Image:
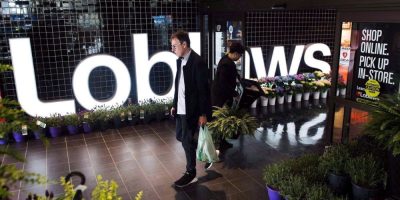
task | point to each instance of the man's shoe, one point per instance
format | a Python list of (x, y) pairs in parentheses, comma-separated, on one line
[(207, 166), (186, 179)]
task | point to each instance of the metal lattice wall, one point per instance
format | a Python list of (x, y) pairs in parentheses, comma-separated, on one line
[(63, 33)]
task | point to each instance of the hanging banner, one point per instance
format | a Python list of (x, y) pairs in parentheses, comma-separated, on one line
[(377, 60)]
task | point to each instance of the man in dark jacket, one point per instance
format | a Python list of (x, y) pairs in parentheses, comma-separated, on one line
[(191, 104), (223, 87)]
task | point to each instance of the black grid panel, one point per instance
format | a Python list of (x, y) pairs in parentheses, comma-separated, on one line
[(291, 27), (63, 33)]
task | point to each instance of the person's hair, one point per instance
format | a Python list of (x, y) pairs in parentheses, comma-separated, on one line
[(182, 36), (236, 47)]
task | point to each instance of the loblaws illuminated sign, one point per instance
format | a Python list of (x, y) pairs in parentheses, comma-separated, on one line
[(26, 84)]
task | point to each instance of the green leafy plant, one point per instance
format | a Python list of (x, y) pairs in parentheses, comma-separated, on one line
[(318, 192), (11, 116), (105, 190), (117, 111), (274, 174), (55, 120), (365, 171), (308, 167), (229, 122), (334, 159), (294, 187), (384, 124), (72, 119), (11, 175)]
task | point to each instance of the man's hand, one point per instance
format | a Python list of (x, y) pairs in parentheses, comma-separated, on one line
[(202, 120), (173, 112)]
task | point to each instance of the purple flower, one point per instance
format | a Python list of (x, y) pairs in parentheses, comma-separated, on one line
[(299, 77), (280, 91)]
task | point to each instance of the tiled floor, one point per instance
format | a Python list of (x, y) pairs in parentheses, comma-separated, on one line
[(148, 157)]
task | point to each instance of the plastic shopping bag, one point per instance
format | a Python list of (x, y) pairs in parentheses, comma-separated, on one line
[(205, 147)]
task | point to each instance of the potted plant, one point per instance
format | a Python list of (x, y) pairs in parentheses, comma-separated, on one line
[(72, 121), (133, 112), (333, 162), (17, 131), (280, 93), (37, 125), (384, 126), (101, 116), (325, 88), (147, 111), (294, 187), (117, 114), (55, 123), (162, 109), (230, 123), (104, 190), (11, 118), (273, 175), (367, 176), (298, 91), (318, 192), (88, 121), (308, 166)]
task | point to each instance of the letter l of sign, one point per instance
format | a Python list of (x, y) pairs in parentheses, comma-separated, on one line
[(25, 83)]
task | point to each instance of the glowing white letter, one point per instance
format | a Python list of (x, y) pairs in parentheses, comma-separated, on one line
[(80, 81), (143, 64), (314, 63), (25, 83), (258, 60)]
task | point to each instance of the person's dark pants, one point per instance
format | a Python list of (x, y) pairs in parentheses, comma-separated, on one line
[(185, 134)]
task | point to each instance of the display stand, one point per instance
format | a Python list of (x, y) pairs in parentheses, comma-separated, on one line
[(248, 91)]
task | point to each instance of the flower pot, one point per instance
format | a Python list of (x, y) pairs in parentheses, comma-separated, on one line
[(264, 101), (160, 116), (55, 131), (37, 134), (271, 101), (342, 91), (324, 94), (297, 97), (3, 141), (339, 184), (362, 193), (72, 129), (254, 104), (316, 94), (87, 128), (148, 118), (289, 98), (273, 194), (306, 96), (117, 122), (102, 125), (18, 137), (281, 99)]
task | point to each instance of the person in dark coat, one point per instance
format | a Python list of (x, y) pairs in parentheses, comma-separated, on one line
[(191, 104), (224, 84)]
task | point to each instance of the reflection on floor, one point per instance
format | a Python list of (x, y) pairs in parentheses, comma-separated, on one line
[(148, 158)]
